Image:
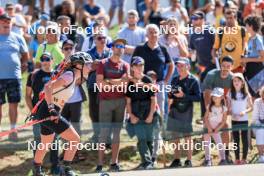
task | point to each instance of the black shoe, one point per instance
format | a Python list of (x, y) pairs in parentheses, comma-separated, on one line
[(222, 162), (67, 171), (37, 171), (115, 167), (154, 161), (229, 160), (55, 170), (188, 163), (175, 163), (207, 163), (99, 168)]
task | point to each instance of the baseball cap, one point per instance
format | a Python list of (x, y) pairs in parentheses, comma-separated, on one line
[(198, 14), (45, 17), (5, 17), (8, 5), (217, 92), (151, 73), (183, 61), (137, 60), (67, 42), (46, 57), (238, 75)]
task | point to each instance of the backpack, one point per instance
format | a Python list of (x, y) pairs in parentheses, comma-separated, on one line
[(243, 35)]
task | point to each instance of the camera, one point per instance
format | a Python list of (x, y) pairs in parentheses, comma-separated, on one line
[(176, 89)]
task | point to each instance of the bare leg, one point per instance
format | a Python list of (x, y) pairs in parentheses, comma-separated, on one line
[(42, 5), (188, 140), (120, 16), (40, 154), (111, 15), (13, 113), (177, 150), (72, 136), (115, 145)]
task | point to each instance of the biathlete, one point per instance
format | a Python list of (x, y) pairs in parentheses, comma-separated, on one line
[(57, 93)]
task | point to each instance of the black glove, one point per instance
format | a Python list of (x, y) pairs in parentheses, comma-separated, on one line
[(52, 110)]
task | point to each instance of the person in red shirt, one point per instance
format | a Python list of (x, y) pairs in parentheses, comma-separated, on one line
[(111, 77)]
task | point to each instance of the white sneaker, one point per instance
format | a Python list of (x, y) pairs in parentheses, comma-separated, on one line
[(261, 159)]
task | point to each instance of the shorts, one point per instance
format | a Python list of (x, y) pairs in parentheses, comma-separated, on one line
[(49, 127), (12, 88), (112, 112), (259, 136), (117, 3)]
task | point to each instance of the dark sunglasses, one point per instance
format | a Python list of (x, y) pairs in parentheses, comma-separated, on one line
[(229, 12), (67, 48), (120, 46), (101, 38), (51, 31), (45, 59)]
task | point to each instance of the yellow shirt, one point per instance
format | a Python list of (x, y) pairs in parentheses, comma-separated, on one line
[(232, 44)]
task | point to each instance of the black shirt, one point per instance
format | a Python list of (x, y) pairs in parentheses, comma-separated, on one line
[(190, 87), (37, 82), (140, 98), (155, 60)]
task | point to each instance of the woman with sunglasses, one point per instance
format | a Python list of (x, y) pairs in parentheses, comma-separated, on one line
[(57, 92)]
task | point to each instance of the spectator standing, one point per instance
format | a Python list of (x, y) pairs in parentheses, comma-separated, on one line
[(141, 106), (98, 53), (255, 53), (133, 34), (222, 79), (227, 43), (35, 84), (153, 13), (215, 119), (14, 56), (201, 43), (257, 119), (239, 105), (185, 90), (177, 11), (112, 72), (114, 5), (52, 45), (66, 8)]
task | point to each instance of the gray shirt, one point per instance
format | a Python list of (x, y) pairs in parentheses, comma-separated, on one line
[(133, 38)]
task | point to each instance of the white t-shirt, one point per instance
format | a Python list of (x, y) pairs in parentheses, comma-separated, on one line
[(167, 13), (237, 106), (216, 116), (172, 46)]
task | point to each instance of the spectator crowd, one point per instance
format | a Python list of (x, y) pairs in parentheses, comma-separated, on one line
[(207, 52)]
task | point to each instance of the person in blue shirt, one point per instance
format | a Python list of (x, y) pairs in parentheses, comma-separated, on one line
[(14, 57), (98, 52), (255, 56)]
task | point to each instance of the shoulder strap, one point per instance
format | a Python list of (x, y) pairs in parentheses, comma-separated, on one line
[(243, 35), (44, 47), (67, 85)]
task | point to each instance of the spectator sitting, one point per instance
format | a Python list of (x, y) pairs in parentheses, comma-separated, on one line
[(92, 10), (66, 8), (153, 13), (185, 90)]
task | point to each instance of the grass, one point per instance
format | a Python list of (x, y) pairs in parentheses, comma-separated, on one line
[(16, 160)]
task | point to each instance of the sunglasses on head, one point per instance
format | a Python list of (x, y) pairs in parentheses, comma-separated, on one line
[(120, 46), (101, 38), (45, 59), (194, 18), (67, 48)]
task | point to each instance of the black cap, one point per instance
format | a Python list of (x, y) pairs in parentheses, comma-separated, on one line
[(10, 5), (199, 14), (5, 17), (46, 55), (68, 42)]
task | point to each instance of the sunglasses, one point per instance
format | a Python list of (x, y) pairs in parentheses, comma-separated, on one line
[(101, 38), (9, 8), (51, 31), (120, 46), (67, 48), (194, 18), (45, 59), (229, 12)]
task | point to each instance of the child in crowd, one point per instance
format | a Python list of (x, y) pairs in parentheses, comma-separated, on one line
[(239, 105), (215, 119)]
